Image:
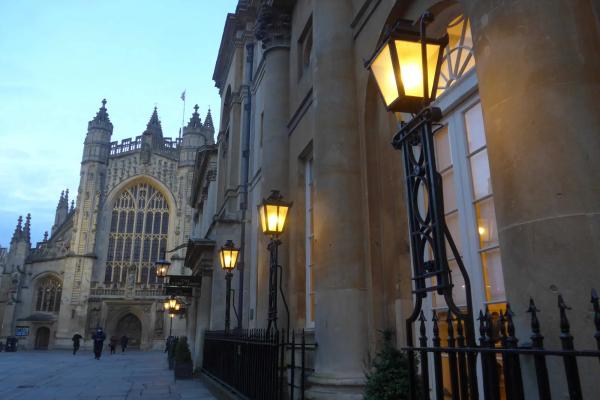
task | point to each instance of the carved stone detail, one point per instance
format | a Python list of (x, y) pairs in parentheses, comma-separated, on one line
[(273, 26)]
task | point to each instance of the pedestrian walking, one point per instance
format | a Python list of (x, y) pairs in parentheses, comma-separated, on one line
[(114, 341), (168, 343), (98, 338), (76, 341), (124, 340)]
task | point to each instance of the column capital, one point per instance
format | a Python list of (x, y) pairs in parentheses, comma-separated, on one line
[(273, 26)]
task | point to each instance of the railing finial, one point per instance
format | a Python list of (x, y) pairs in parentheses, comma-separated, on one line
[(564, 321)]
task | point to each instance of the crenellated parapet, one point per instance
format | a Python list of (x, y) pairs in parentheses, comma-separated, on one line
[(169, 147)]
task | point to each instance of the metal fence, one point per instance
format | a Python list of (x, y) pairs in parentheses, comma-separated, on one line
[(257, 363), (499, 355)]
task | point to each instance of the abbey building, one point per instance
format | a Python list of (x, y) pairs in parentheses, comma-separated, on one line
[(97, 266)]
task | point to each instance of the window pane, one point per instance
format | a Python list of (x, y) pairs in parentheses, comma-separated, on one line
[(449, 191), (458, 291), (486, 223), (475, 130), (442, 149), (480, 173), (493, 278), (452, 222)]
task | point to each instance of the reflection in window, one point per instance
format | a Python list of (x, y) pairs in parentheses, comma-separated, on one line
[(139, 228)]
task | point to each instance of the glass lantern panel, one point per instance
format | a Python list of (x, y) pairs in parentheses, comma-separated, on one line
[(383, 71), (411, 71), (272, 218), (283, 210), (263, 218), (222, 259)]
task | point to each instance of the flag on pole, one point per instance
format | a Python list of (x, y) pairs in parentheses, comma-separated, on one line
[(183, 96)]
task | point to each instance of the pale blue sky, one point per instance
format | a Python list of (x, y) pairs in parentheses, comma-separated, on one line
[(59, 58)]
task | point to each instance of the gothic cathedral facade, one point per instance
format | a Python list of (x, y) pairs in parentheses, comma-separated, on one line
[(97, 267)]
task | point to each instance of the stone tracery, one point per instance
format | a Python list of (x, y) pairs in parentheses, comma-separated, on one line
[(139, 229)]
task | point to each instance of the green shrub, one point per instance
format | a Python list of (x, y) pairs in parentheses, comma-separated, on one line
[(390, 374), (182, 351)]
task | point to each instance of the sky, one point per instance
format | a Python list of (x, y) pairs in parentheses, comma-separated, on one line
[(60, 58)]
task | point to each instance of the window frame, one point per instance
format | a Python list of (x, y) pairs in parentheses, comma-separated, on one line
[(309, 243)]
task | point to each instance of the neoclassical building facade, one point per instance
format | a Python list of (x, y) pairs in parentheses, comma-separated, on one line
[(97, 266), (302, 114)]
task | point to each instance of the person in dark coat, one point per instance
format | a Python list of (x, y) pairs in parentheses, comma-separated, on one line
[(124, 340), (114, 341), (76, 341), (168, 343), (98, 338)]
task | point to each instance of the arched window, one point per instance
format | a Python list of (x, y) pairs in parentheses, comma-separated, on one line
[(49, 291), (458, 55), (139, 223)]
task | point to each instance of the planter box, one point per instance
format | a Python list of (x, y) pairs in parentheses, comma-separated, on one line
[(184, 370)]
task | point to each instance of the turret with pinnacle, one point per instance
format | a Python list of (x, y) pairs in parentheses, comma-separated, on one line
[(62, 210), (195, 135), (97, 141)]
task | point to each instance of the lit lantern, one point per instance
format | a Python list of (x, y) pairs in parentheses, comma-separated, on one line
[(273, 212), (228, 256), (162, 266), (398, 69), (172, 302)]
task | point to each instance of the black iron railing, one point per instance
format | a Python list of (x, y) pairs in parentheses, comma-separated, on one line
[(257, 363), (500, 356)]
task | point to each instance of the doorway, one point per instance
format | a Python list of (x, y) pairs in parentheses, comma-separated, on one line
[(130, 326), (42, 338)]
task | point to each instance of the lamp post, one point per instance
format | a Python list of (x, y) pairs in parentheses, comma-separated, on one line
[(406, 67), (273, 213), (228, 256), (172, 306)]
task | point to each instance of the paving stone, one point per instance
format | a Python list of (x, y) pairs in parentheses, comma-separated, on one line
[(58, 375)]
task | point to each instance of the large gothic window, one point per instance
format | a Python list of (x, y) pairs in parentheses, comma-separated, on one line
[(138, 231), (49, 291)]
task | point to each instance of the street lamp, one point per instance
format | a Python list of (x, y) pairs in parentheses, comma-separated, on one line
[(273, 213), (162, 265), (228, 256), (172, 306), (404, 66)]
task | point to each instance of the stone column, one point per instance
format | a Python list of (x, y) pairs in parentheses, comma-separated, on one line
[(538, 66), (273, 31), (340, 315)]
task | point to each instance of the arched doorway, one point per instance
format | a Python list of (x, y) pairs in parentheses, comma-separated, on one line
[(42, 338), (131, 326)]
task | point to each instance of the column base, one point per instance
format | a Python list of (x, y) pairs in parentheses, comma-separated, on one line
[(339, 388)]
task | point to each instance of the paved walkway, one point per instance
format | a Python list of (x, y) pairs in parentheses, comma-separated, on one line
[(47, 375)]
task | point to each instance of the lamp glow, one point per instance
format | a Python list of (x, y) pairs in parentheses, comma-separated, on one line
[(273, 213), (228, 256), (398, 69), (162, 266)]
